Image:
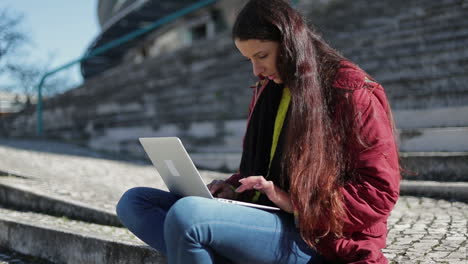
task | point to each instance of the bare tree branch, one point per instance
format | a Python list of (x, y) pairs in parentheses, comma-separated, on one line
[(23, 77), (11, 37)]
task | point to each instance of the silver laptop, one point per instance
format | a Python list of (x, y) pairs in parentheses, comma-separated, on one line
[(178, 172)]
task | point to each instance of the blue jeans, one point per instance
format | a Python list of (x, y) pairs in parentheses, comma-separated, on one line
[(200, 230)]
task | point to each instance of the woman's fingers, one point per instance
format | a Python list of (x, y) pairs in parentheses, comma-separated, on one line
[(219, 188), (215, 186), (226, 193), (266, 187), (275, 194), (254, 182)]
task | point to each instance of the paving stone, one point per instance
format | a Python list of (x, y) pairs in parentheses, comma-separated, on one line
[(440, 219)]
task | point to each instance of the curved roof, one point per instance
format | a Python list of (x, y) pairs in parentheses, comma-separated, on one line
[(133, 16)]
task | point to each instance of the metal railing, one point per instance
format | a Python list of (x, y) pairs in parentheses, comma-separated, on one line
[(113, 44)]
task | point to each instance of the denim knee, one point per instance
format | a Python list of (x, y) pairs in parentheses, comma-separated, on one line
[(126, 207), (186, 213)]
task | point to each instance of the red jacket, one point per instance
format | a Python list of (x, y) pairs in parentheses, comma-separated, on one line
[(368, 201)]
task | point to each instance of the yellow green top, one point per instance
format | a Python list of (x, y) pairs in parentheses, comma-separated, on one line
[(279, 121)]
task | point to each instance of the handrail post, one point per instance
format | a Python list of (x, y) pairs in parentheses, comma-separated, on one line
[(39, 106)]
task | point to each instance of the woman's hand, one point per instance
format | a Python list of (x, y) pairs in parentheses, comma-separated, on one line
[(220, 189), (275, 194)]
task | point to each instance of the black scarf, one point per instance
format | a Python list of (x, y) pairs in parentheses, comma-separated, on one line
[(258, 140)]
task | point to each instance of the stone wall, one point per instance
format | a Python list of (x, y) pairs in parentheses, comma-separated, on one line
[(416, 49)]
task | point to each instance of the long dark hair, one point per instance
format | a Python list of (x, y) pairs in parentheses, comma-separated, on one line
[(315, 157)]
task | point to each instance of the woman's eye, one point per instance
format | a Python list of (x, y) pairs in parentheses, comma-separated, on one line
[(258, 57)]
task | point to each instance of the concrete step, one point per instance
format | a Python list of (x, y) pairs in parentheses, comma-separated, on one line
[(397, 43), (8, 256), (443, 190), (14, 196), (435, 166), (222, 161), (446, 139), (428, 98), (62, 240), (432, 117)]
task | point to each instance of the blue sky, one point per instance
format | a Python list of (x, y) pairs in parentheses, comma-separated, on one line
[(61, 28)]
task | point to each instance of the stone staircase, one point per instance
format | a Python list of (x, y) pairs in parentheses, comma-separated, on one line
[(57, 205), (417, 51), (36, 225), (434, 147), (66, 215)]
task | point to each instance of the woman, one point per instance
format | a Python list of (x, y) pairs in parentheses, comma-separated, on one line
[(319, 144)]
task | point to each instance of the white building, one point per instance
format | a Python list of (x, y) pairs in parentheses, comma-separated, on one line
[(12, 102)]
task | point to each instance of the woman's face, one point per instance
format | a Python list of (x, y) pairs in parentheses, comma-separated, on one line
[(263, 55)]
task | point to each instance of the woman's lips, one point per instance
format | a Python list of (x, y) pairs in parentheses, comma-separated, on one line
[(269, 77)]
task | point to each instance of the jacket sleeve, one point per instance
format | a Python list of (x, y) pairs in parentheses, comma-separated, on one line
[(372, 195)]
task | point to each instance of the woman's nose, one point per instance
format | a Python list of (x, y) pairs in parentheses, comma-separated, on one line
[(257, 69)]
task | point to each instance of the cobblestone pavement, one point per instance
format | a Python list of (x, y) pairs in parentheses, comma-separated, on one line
[(424, 230), (421, 230)]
